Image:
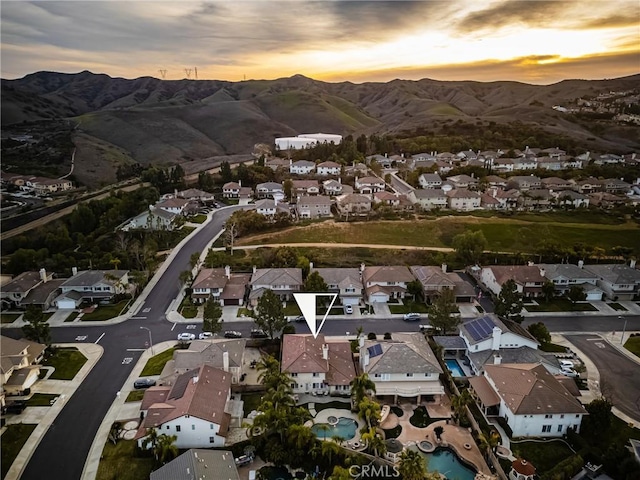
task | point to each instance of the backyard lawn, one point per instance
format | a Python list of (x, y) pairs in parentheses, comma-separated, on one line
[(120, 461), (66, 361), (156, 363), (251, 402), (544, 455), (12, 441), (105, 312), (42, 399), (560, 305), (633, 345)]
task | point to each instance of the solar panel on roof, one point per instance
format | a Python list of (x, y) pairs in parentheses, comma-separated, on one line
[(375, 350), (473, 331)]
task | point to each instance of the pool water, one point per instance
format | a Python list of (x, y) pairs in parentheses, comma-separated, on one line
[(446, 462), (345, 428), (455, 368)]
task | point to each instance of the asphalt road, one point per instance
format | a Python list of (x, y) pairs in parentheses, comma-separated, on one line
[(619, 379), (64, 448)]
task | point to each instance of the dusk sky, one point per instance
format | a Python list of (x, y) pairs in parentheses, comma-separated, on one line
[(534, 41)]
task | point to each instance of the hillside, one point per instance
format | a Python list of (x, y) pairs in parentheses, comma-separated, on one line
[(163, 122)]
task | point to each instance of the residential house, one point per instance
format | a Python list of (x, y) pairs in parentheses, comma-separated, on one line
[(92, 286), (587, 186), (508, 199), (430, 180), (554, 152), (269, 207), (305, 187), (528, 278), (332, 187), (15, 291), (566, 275), (221, 353), (383, 160), (467, 155), (269, 190), (396, 201), (318, 365), (569, 198), (383, 283), (177, 206), (618, 281), (506, 164), (463, 200), (19, 361), (463, 181), (430, 199), (231, 189), (195, 409), (284, 282), (444, 167), (606, 200), (221, 285), (525, 163), (524, 183), (614, 186), (195, 195), (276, 163), (318, 206), (302, 167), (198, 463), (556, 184), (356, 169), (45, 186), (423, 157), (404, 366), (152, 219), (496, 181), (328, 168), (436, 279), (490, 203), (550, 163), (353, 204), (346, 282), (540, 199), (43, 295), (369, 185), (531, 400)]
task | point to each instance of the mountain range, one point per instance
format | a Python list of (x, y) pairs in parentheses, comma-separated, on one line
[(148, 120)]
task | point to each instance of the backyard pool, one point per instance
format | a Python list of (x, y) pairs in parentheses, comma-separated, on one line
[(454, 367), (345, 429), (447, 463)]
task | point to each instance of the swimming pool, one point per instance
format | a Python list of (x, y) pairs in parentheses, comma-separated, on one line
[(345, 428), (446, 462), (454, 367)]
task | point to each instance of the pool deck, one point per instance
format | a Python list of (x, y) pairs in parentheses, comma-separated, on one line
[(323, 417)]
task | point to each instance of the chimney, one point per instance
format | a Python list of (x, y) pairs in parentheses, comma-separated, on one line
[(361, 341), (43, 275), (240, 183), (255, 269), (365, 359), (175, 193), (497, 359), (225, 361), (496, 339), (632, 263), (195, 379), (227, 271), (310, 267), (325, 351), (542, 272), (444, 268), (362, 266), (580, 263), (74, 271)]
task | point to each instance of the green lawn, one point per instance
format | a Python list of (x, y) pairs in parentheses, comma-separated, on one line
[(156, 363), (409, 308), (544, 455), (105, 312), (67, 362), (553, 348), (72, 317), (120, 462), (135, 396), (41, 399), (633, 345), (251, 402), (9, 317), (291, 309), (617, 306), (187, 309), (245, 311), (197, 218), (560, 305), (12, 441)]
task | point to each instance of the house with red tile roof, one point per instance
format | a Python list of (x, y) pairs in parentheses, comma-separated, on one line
[(383, 283), (529, 279)]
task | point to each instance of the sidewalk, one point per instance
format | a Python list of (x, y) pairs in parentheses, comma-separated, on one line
[(44, 417)]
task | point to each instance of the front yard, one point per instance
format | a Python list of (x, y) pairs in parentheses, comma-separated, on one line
[(9, 317), (12, 441), (42, 399), (123, 462), (67, 362), (560, 305), (135, 396), (633, 345), (409, 307), (105, 312), (156, 363)]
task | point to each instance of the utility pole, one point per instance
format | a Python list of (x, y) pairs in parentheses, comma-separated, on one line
[(150, 340)]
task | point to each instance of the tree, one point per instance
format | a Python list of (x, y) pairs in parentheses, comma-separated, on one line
[(442, 312), (509, 304), (375, 443), (469, 247), (360, 387), (600, 416), (369, 411), (315, 283), (329, 449), (287, 187), (460, 404), (211, 316), (439, 430), (225, 172), (37, 329), (540, 332), (576, 293), (269, 314), (548, 290), (185, 277), (411, 466), (165, 449), (414, 288)]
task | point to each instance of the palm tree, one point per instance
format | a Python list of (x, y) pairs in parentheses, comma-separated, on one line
[(374, 442), (166, 448), (340, 473), (337, 439), (329, 448), (412, 466), (460, 404), (369, 411), (151, 440), (300, 437), (360, 387), (324, 428)]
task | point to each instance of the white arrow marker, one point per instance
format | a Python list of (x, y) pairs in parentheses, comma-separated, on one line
[(307, 304)]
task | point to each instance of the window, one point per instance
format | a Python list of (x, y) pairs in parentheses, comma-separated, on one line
[(562, 416), (409, 374), (548, 416), (559, 428), (211, 426), (546, 428), (167, 427), (193, 427), (577, 416), (177, 428), (293, 375), (316, 374), (212, 439)]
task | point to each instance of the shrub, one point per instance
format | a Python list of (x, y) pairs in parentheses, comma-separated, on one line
[(387, 336), (371, 336)]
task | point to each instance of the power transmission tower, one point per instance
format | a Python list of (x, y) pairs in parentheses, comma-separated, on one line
[(188, 72), (163, 73), (195, 69)]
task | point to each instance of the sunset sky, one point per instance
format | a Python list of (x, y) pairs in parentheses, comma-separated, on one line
[(534, 41)]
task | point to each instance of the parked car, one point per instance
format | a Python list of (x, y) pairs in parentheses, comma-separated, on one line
[(243, 460), (566, 364), (348, 309), (232, 334), (258, 333), (428, 328), (205, 335), (144, 383), (186, 336), (411, 317), (299, 318), (569, 372)]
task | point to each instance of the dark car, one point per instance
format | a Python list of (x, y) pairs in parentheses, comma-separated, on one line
[(232, 334), (258, 333), (299, 319), (17, 406), (144, 383)]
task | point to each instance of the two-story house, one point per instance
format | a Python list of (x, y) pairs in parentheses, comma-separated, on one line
[(528, 278), (569, 198), (463, 181), (221, 285), (618, 281), (235, 190), (200, 464), (45, 186), (436, 279), (196, 195), (304, 187), (275, 163), (14, 292), (269, 207), (318, 206), (430, 180), (328, 168), (318, 365), (332, 188), (531, 400), (92, 286), (566, 275), (152, 219), (284, 282), (383, 283), (557, 184), (369, 185), (524, 182), (430, 199), (404, 366), (302, 167), (177, 206), (19, 361), (269, 190), (463, 200), (353, 204), (346, 282), (195, 408)]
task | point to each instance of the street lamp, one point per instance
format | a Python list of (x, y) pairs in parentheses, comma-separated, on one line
[(150, 341), (624, 328)]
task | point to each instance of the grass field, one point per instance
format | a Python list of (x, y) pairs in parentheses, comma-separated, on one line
[(67, 363), (544, 455), (156, 363), (135, 396), (120, 461), (12, 441), (633, 345), (105, 312), (41, 399), (560, 305)]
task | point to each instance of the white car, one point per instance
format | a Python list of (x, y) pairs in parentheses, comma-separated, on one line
[(569, 372), (348, 309), (186, 336), (205, 335)]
